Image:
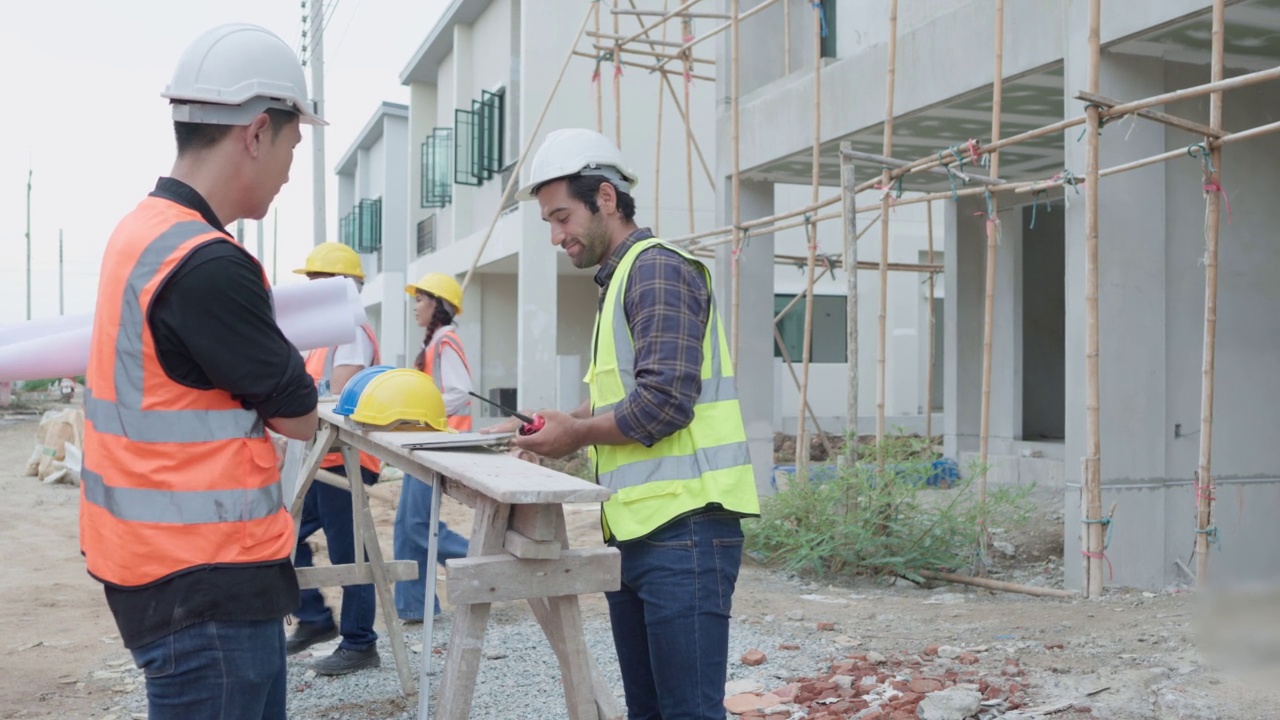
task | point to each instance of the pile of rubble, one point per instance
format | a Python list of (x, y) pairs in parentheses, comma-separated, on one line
[(940, 683)]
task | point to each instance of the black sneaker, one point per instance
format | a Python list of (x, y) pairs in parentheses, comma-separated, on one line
[(344, 661), (309, 634)]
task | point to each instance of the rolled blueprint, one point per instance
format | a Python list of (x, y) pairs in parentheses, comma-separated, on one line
[(318, 313)]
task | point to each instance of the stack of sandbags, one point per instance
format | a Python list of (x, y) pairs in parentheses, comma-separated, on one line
[(58, 430)]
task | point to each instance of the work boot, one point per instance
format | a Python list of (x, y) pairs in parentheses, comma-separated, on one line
[(309, 634), (344, 660)]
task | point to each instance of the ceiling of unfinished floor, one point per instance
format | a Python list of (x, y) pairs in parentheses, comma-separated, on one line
[(1033, 101)]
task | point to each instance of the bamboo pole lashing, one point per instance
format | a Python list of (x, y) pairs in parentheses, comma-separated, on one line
[(645, 30), (802, 446), (1213, 221)]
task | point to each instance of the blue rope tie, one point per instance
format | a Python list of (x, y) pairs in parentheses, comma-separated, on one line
[(822, 15), (1203, 155)]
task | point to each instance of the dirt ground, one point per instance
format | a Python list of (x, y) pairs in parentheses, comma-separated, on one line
[(60, 655)]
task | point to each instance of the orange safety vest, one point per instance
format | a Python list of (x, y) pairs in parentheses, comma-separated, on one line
[(173, 478), (320, 368), (431, 358)]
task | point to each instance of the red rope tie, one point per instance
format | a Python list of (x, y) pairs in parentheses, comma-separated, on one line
[(1212, 186), (1101, 556)]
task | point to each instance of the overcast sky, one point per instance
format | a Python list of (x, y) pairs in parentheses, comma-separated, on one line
[(82, 83)]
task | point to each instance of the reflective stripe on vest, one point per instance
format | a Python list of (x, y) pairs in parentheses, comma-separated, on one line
[(174, 477), (181, 508), (125, 417), (705, 463), (431, 358)]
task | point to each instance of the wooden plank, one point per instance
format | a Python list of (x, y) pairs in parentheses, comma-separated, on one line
[(496, 475), (527, 548), (497, 578), (340, 575), (536, 522), (1171, 120), (462, 662)]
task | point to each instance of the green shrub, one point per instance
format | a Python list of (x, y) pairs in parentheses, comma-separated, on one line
[(864, 521)]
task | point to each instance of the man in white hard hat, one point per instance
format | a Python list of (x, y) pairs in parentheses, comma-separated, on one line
[(181, 514), (682, 481)]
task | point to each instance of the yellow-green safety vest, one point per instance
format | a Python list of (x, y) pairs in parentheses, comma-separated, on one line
[(703, 464)]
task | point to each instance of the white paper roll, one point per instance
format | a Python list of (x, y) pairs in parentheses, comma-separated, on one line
[(319, 313)]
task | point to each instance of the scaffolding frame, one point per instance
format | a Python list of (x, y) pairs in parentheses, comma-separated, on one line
[(661, 52)]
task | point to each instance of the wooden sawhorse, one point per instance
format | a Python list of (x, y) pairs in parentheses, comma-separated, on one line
[(519, 551)]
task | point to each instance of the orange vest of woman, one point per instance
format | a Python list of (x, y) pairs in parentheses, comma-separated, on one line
[(174, 478), (431, 358), (320, 368)]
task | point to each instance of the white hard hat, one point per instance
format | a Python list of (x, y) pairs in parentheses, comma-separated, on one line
[(577, 150), (234, 72)]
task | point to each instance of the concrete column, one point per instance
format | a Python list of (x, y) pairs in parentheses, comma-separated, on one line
[(469, 327), (965, 272), (756, 371), (463, 195), (1132, 312)]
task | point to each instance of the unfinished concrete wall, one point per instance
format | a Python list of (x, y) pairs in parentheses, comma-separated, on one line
[(1043, 322)]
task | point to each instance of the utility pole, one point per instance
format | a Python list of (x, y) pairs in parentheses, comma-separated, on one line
[(28, 240), (316, 58), (61, 294)]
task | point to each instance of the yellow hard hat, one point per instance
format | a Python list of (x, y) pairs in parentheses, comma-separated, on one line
[(442, 286), (400, 396), (335, 259)]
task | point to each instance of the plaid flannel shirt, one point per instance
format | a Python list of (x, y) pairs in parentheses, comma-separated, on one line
[(667, 303)]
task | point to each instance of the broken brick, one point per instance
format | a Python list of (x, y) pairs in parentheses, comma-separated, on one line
[(789, 646), (1054, 646), (743, 703), (924, 685), (931, 651), (968, 658), (754, 657), (826, 626)]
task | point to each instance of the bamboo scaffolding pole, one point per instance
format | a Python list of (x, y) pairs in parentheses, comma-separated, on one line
[(1091, 483), (728, 237), (528, 144), (838, 263), (804, 400), (599, 84), (641, 66), (760, 222), (735, 210), (655, 54), (645, 30), (786, 38), (617, 82), (802, 445), (1235, 83), (666, 79), (702, 160), (886, 199), (989, 305), (1164, 118), (998, 585), (657, 155), (1213, 223), (659, 13), (620, 42), (896, 163), (849, 214), (928, 387), (737, 17), (686, 27)]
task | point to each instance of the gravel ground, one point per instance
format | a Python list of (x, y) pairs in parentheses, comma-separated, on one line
[(519, 677)]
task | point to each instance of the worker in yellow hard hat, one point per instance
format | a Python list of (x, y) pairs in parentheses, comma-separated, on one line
[(328, 508), (437, 299)]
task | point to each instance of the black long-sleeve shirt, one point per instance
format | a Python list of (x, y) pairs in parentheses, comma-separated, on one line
[(214, 327)]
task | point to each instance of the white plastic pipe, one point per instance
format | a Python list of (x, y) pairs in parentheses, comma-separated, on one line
[(319, 313)]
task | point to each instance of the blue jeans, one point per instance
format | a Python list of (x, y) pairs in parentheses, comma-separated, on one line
[(413, 519), (216, 670), (329, 508), (670, 617)]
